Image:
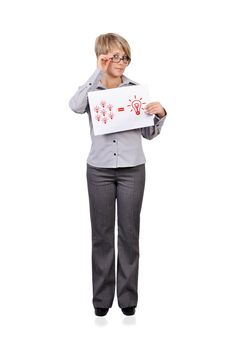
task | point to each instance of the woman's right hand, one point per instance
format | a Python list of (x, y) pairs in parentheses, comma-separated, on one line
[(103, 62)]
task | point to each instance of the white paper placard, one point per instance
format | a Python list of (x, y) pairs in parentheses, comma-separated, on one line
[(119, 109)]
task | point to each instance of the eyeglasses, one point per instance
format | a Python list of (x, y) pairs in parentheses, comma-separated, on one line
[(117, 59)]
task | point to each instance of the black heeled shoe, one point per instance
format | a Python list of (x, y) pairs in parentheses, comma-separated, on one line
[(101, 311), (128, 311)]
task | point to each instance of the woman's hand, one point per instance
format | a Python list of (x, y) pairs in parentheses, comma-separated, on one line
[(103, 62), (155, 108)]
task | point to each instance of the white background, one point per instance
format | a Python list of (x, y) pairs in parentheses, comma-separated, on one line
[(182, 50)]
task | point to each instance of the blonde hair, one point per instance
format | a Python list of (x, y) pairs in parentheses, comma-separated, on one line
[(105, 42)]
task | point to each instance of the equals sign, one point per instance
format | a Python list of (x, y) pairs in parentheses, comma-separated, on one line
[(121, 109)]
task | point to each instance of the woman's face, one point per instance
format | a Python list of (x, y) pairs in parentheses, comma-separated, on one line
[(116, 69)]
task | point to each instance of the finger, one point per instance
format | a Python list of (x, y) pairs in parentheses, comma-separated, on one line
[(103, 56), (153, 111), (152, 105), (108, 61), (150, 111), (104, 59)]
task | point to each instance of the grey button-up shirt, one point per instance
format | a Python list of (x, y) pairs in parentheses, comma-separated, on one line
[(119, 149)]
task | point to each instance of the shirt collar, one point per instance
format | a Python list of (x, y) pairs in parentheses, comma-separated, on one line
[(125, 81)]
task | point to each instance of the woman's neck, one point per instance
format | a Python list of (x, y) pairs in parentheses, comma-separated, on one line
[(111, 82)]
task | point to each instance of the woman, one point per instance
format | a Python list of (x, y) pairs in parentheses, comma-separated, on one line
[(115, 170)]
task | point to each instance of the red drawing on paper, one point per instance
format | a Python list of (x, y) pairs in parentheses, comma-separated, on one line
[(103, 104), (104, 112), (136, 105), (121, 109)]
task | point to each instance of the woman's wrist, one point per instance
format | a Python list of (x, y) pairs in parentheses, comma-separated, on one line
[(161, 115)]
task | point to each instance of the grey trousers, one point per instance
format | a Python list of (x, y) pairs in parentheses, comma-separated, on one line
[(106, 187)]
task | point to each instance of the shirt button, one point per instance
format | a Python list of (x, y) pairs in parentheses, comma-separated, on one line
[(114, 140), (114, 154)]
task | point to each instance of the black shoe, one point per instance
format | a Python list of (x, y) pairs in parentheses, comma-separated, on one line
[(128, 311), (101, 311)]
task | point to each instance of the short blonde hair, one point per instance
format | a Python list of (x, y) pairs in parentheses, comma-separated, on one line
[(105, 42)]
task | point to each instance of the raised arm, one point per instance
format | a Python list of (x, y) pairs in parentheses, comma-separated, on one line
[(78, 103)]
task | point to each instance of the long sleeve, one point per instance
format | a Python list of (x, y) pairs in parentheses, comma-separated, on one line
[(78, 103), (152, 131)]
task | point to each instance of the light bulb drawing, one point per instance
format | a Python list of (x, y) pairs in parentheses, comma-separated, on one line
[(103, 104), (137, 105), (110, 107), (104, 112)]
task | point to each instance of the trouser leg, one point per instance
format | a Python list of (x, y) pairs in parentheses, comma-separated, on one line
[(130, 189), (102, 195)]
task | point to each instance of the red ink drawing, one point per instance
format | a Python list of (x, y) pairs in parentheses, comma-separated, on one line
[(104, 112), (136, 105), (103, 104), (121, 109)]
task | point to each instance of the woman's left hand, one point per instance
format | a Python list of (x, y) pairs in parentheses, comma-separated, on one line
[(155, 108)]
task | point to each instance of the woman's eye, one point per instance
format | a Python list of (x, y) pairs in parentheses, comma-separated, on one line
[(116, 56)]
